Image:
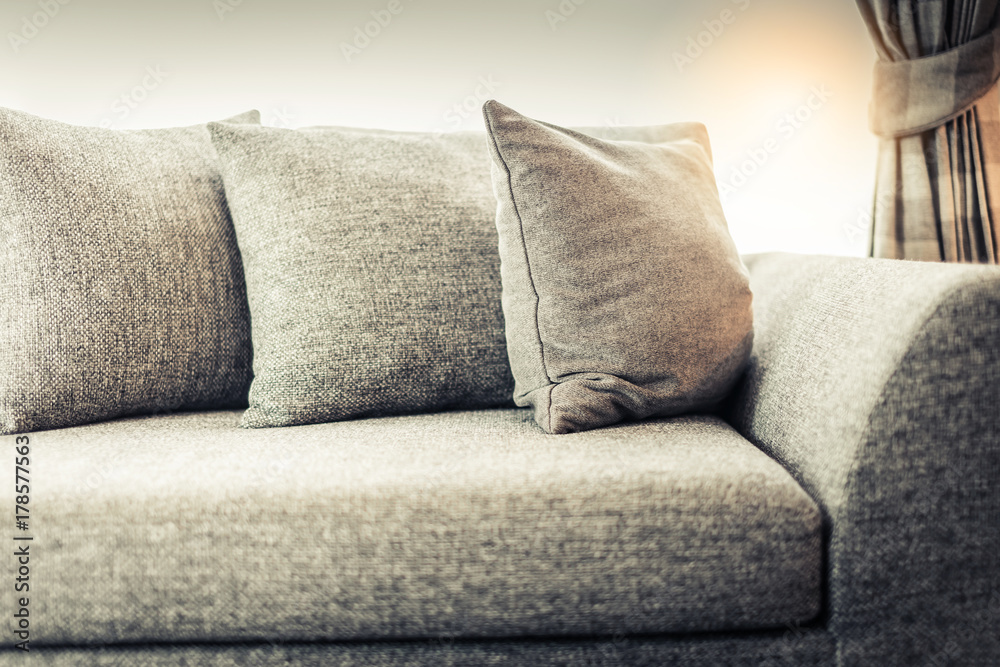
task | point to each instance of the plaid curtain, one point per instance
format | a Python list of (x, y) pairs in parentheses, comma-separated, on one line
[(936, 110)]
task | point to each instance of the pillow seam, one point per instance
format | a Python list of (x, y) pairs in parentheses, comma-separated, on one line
[(527, 260)]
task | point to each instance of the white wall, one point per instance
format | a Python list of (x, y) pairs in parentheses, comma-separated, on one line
[(792, 183)]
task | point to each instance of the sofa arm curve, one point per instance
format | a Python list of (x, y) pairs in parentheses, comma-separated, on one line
[(877, 384)]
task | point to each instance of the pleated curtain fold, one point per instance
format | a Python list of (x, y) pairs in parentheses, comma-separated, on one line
[(936, 109)]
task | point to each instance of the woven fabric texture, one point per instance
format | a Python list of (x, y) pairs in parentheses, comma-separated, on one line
[(182, 528), (372, 268), (623, 292), (793, 647), (372, 272), (121, 288), (936, 109), (877, 384)]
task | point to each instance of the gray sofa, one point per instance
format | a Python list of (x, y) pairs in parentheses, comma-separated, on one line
[(842, 508)]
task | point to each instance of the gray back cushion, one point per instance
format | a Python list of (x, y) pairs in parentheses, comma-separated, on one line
[(372, 271), (623, 292), (121, 288)]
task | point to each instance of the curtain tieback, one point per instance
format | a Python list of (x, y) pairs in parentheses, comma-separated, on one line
[(911, 96)]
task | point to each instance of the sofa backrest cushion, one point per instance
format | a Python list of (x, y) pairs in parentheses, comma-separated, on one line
[(623, 292), (373, 271), (121, 289)]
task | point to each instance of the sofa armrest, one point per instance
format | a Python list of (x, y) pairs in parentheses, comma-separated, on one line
[(877, 384)]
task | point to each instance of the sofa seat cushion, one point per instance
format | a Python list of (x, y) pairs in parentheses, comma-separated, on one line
[(185, 527)]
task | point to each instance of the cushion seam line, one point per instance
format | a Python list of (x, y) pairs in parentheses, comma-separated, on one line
[(524, 247)]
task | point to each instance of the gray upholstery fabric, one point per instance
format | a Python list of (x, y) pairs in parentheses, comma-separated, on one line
[(623, 293), (121, 289), (180, 528), (877, 383), (793, 647), (372, 271)]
